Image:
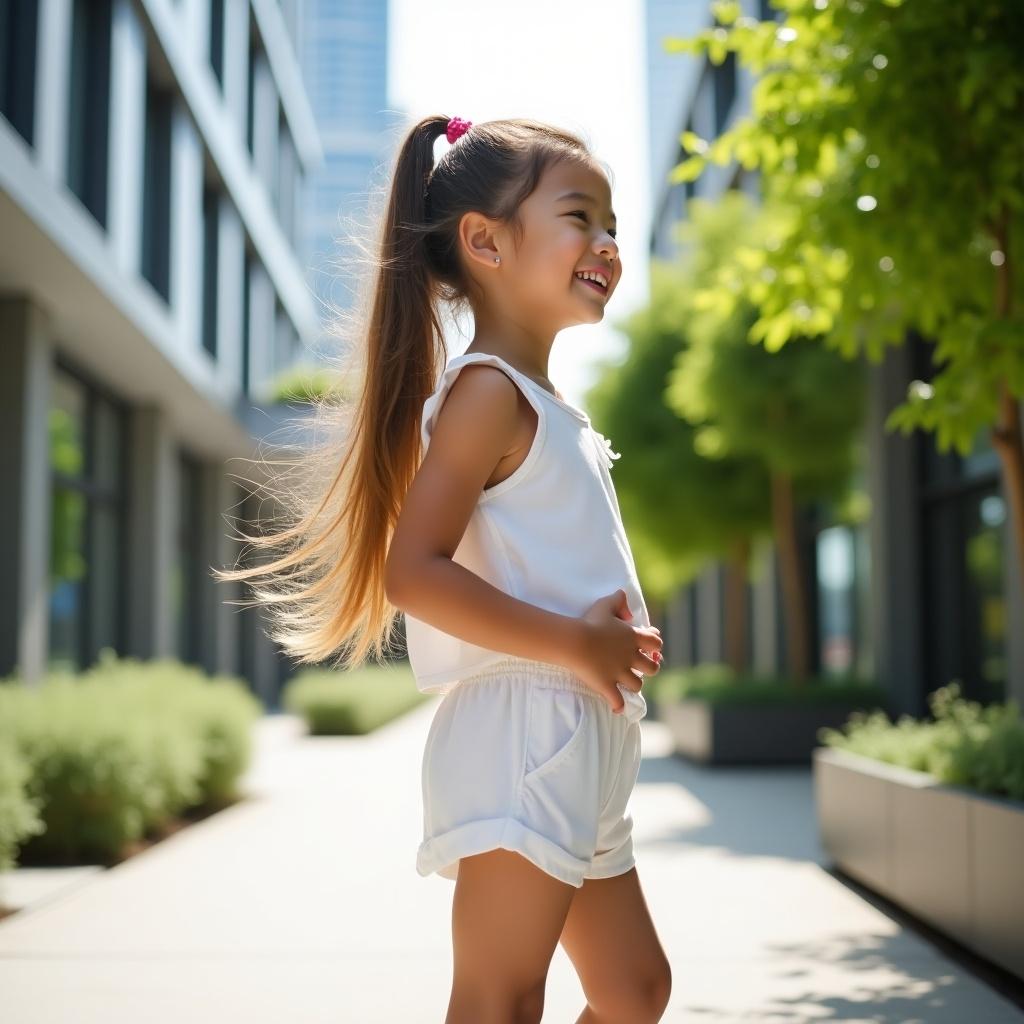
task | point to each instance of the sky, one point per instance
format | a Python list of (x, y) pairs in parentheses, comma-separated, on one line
[(581, 66)]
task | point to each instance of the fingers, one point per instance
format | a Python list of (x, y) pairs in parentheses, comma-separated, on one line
[(649, 637), (620, 602), (649, 652), (647, 664), (615, 699), (633, 682)]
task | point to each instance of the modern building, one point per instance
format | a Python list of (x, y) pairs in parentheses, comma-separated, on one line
[(924, 592), (152, 154), (345, 65)]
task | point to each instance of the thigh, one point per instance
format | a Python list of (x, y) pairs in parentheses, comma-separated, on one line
[(611, 940), (507, 915)]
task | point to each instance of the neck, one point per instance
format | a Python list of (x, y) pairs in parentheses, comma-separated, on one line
[(520, 345)]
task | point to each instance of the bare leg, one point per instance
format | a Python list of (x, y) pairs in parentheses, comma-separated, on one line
[(611, 941), (507, 915)]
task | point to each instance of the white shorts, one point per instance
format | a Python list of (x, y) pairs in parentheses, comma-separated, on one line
[(524, 756)]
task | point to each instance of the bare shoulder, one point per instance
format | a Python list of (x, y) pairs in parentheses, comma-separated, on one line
[(485, 379), (481, 398)]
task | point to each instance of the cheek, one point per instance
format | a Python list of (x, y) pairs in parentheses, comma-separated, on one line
[(553, 259)]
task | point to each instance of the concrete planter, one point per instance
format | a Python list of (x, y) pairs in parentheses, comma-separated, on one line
[(949, 855), (747, 733)]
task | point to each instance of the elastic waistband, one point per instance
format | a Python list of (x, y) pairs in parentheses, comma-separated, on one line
[(543, 672)]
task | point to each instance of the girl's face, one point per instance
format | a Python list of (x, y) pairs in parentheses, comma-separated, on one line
[(568, 227)]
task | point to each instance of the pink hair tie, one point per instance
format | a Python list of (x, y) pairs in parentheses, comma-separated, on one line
[(457, 128)]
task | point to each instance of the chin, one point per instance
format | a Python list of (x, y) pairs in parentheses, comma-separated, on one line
[(595, 311)]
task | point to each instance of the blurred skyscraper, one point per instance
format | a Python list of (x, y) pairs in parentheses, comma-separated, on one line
[(345, 66)]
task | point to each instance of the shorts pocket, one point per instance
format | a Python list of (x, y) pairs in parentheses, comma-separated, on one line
[(554, 728)]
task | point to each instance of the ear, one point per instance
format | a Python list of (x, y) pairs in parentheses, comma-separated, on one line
[(481, 239)]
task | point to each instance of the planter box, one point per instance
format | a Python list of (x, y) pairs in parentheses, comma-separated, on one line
[(949, 855), (747, 733)]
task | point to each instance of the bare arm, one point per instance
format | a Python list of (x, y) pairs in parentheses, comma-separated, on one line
[(476, 427)]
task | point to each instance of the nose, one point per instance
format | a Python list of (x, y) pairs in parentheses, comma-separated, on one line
[(609, 247)]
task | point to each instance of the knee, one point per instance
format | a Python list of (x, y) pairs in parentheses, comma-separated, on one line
[(658, 988), (528, 1005), (641, 999), (517, 1005)]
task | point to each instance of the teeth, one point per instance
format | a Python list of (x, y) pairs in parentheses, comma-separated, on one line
[(599, 278)]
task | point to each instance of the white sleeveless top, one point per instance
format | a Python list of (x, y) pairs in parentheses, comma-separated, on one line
[(551, 533)]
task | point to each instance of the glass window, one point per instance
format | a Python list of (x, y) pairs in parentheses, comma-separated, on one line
[(88, 106), (965, 605), (217, 39), (184, 581), (246, 324), (156, 198), (842, 567), (67, 426), (18, 26), (287, 177), (724, 78), (250, 96), (211, 210), (104, 584), (87, 536), (964, 527)]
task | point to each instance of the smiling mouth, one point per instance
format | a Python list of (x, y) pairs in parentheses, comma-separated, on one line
[(592, 285)]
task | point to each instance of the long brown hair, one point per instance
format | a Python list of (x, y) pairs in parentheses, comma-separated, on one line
[(324, 591)]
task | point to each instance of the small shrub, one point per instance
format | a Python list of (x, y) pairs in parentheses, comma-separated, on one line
[(217, 712), (966, 743), (19, 813), (339, 703)]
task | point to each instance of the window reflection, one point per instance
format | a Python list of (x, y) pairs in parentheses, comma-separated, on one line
[(184, 577), (965, 558), (86, 438), (843, 561), (67, 520), (984, 557)]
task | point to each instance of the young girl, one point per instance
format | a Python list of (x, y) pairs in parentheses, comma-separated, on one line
[(480, 503)]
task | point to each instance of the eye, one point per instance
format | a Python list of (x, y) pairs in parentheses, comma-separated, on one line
[(583, 213)]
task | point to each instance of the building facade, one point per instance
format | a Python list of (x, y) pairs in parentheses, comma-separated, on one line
[(925, 591), (152, 154)]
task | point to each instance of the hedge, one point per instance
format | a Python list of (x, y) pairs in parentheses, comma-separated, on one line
[(719, 684), (109, 755)]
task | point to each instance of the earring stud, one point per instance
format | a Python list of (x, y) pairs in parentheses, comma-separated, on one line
[(497, 259)]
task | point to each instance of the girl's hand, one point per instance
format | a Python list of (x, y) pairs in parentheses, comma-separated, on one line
[(611, 648)]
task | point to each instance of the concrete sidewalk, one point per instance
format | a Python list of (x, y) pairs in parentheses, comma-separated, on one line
[(302, 904)]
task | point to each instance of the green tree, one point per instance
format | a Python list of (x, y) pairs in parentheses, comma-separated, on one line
[(797, 412), (729, 438), (888, 138)]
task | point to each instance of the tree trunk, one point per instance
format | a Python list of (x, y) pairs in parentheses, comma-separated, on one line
[(1006, 434), (794, 590), (737, 607)]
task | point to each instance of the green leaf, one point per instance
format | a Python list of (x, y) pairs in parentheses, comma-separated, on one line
[(688, 170), (693, 143)]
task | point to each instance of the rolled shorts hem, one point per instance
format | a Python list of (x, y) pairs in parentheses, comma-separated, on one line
[(613, 862), (442, 852)]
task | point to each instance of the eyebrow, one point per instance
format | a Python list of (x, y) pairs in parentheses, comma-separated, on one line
[(586, 197)]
